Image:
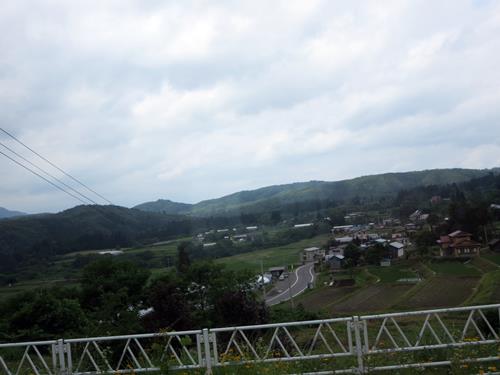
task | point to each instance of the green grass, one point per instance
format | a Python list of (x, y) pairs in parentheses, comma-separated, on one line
[(488, 290), (495, 258), (392, 274), (452, 268), (271, 257)]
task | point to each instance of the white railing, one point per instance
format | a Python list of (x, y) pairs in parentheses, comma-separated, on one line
[(357, 344)]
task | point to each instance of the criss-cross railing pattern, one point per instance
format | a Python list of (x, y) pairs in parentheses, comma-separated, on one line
[(431, 329), (29, 358), (285, 341), (343, 345), (139, 353)]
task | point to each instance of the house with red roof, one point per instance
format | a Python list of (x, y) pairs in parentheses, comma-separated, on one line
[(458, 244)]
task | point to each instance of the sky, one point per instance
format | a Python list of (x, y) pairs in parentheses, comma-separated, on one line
[(190, 100)]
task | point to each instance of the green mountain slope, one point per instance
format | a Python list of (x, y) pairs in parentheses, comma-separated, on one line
[(164, 206), (273, 197)]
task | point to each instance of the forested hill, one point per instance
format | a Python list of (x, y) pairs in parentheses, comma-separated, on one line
[(164, 206), (37, 237), (275, 197), (5, 213)]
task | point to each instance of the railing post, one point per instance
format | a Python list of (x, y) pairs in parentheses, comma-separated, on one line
[(208, 354), (62, 360), (359, 343)]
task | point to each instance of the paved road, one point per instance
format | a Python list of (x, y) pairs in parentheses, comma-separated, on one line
[(296, 283)]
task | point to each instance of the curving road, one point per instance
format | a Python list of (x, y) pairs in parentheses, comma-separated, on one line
[(296, 283)]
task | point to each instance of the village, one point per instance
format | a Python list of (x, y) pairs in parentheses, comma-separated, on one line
[(388, 243)]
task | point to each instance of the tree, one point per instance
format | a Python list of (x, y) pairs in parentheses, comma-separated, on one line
[(375, 254), (112, 292), (240, 307), (167, 297), (183, 261), (352, 255), (106, 276), (41, 314)]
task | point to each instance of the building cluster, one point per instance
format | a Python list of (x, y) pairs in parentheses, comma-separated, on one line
[(210, 238)]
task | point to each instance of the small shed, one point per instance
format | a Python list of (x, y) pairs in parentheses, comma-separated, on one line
[(276, 272), (397, 249), (335, 261)]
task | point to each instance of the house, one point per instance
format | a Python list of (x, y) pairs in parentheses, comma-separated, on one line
[(342, 228), (240, 237), (458, 244), (337, 250), (335, 262), (397, 249), (312, 254), (436, 199), (418, 217), (276, 272), (494, 245), (344, 240)]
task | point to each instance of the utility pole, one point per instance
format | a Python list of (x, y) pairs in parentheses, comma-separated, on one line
[(290, 290), (262, 279)]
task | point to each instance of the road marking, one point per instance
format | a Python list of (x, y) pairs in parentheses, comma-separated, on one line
[(312, 279), (295, 283)]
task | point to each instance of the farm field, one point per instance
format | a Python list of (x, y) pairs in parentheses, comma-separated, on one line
[(374, 298), (392, 274), (488, 290), (321, 299), (495, 258), (441, 291), (452, 268), (271, 257)]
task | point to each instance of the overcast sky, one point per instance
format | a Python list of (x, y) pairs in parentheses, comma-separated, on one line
[(189, 100)]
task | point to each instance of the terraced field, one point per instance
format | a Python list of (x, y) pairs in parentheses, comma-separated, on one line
[(374, 298), (441, 291)]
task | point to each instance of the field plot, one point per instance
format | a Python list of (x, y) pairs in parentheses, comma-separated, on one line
[(488, 290), (485, 265), (392, 274), (322, 299), (495, 258), (273, 256), (371, 299), (452, 268), (441, 291)]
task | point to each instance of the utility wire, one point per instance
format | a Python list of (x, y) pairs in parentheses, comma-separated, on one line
[(48, 174), (43, 178), (55, 166)]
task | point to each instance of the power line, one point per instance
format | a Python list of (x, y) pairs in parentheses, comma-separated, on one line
[(43, 178), (48, 174), (55, 166)]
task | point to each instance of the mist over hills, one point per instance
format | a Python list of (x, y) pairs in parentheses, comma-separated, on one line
[(5, 213), (273, 197)]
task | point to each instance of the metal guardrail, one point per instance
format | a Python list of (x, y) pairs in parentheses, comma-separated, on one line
[(354, 342)]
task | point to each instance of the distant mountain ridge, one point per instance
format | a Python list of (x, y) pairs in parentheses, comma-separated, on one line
[(277, 195), (5, 213), (164, 206)]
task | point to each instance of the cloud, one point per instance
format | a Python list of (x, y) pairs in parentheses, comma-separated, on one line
[(192, 100)]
